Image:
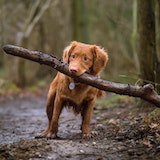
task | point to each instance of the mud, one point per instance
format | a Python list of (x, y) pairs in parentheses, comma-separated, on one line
[(119, 133)]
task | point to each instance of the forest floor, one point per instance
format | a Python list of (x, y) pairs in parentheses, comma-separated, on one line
[(120, 132)]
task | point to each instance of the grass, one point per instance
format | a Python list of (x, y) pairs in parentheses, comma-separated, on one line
[(35, 87), (113, 101), (7, 87)]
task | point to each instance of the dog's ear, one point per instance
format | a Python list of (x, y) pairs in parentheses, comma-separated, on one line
[(68, 50), (100, 59)]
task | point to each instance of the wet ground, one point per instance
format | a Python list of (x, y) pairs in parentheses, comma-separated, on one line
[(120, 133)]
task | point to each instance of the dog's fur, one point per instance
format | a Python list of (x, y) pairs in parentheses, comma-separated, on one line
[(81, 58)]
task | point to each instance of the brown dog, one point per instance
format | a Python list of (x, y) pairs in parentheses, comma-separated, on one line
[(64, 91)]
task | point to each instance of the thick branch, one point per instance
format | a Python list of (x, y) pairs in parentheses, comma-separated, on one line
[(146, 92)]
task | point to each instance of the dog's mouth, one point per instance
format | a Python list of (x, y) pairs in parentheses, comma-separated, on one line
[(76, 72), (79, 74)]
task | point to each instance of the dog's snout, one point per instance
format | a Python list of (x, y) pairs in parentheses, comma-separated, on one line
[(73, 70)]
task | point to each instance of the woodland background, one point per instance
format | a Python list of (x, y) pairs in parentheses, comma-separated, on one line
[(126, 127), (118, 25)]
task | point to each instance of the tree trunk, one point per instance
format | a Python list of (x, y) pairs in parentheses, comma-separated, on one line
[(2, 39), (80, 21), (134, 35), (157, 13), (35, 15), (148, 26), (146, 42)]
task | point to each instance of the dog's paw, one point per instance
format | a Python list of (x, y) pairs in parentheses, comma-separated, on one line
[(41, 135), (47, 134), (51, 135), (88, 136)]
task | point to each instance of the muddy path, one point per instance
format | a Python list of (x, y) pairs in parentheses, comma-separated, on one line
[(120, 133)]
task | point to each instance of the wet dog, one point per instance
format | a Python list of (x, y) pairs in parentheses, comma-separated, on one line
[(64, 91)]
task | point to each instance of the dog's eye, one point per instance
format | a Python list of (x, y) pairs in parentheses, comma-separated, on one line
[(73, 56), (85, 59)]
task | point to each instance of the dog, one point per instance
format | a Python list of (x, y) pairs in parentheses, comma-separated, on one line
[(64, 91)]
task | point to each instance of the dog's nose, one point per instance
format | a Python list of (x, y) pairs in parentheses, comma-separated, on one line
[(73, 70)]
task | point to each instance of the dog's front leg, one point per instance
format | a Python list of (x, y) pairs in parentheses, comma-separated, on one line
[(51, 131), (49, 110), (53, 128), (86, 118)]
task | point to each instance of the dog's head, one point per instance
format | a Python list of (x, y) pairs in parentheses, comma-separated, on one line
[(85, 58)]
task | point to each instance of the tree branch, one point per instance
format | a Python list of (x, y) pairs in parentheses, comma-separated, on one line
[(146, 92), (37, 18)]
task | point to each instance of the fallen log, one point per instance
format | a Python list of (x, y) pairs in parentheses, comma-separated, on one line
[(145, 92)]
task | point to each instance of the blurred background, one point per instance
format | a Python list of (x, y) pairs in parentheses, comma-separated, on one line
[(129, 30), (50, 25)]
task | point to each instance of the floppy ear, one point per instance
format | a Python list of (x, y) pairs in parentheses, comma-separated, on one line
[(68, 50), (100, 59)]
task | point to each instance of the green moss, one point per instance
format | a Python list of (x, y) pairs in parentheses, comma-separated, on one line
[(37, 86), (42, 83), (7, 87), (32, 88), (113, 101)]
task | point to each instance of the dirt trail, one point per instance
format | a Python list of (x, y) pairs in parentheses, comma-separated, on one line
[(120, 133)]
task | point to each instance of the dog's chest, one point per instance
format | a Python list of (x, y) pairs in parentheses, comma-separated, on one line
[(77, 94), (76, 108)]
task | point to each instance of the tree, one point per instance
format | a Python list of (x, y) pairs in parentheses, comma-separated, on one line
[(148, 26), (157, 13), (134, 34), (35, 15), (2, 37), (148, 58), (80, 21)]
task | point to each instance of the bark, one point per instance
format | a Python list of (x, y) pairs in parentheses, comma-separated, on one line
[(157, 13), (80, 21), (146, 92), (146, 41), (134, 35), (2, 37)]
